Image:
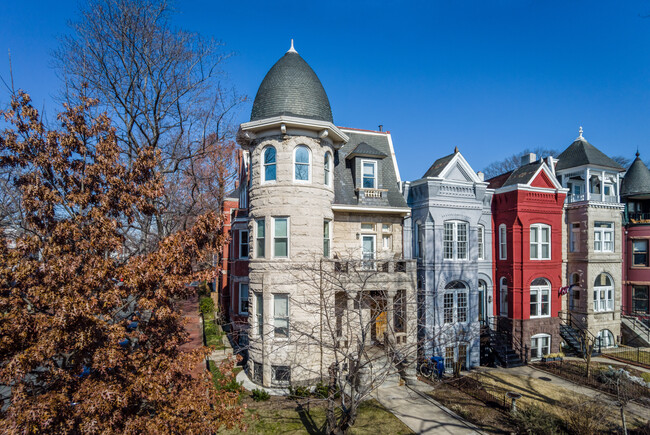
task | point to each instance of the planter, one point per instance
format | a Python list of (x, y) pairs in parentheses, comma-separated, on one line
[(555, 358)]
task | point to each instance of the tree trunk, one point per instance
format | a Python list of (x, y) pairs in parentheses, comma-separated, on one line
[(332, 426), (623, 420)]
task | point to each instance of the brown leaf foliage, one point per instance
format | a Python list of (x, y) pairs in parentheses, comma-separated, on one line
[(90, 340)]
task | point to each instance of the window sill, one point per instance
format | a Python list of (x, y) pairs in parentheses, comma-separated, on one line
[(540, 259), (546, 316)]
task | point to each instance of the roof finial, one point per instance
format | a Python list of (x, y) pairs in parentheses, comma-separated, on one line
[(455, 150), (637, 151), (580, 132), (292, 50)]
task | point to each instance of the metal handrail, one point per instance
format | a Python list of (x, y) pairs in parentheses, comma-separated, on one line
[(579, 325)]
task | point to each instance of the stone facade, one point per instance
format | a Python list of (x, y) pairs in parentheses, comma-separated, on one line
[(457, 196)]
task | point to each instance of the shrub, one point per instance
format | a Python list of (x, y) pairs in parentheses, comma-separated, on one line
[(585, 418), (204, 290), (206, 305), (260, 395), (534, 420), (295, 392), (223, 382), (322, 390)]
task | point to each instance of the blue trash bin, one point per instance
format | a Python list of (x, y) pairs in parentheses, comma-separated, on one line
[(440, 364)]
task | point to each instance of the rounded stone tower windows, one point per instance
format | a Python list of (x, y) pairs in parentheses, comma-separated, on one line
[(268, 164), (302, 164)]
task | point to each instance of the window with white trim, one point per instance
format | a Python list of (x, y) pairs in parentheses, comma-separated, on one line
[(281, 315), (540, 302), (369, 174), (259, 314), (604, 237), (302, 163), (455, 240), (260, 238), (540, 345), (243, 298), (455, 302), (574, 241), (605, 339), (603, 293), (280, 237), (540, 242), (327, 169), (281, 374), (503, 246), (327, 241), (481, 242), (243, 244), (419, 242), (268, 164)]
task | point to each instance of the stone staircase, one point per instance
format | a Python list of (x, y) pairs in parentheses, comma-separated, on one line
[(635, 331), (381, 370), (573, 337)]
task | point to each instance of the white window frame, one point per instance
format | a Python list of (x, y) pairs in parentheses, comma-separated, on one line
[(574, 237), (327, 225), (327, 169), (309, 164), (608, 337), (370, 265), (503, 242), (241, 299), (540, 291), (264, 165), (634, 252), (386, 242), (600, 235), (540, 347), (481, 242), (455, 242), (503, 297), (259, 314), (538, 229), (275, 219), (244, 241), (374, 178), (604, 295), (452, 314), (259, 239), (276, 317)]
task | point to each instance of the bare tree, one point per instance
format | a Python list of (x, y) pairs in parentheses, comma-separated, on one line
[(514, 161), (161, 87), (623, 387)]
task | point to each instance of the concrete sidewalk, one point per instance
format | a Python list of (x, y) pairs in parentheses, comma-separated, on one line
[(531, 372), (420, 412)]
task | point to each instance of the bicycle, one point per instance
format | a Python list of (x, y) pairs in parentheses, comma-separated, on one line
[(429, 368)]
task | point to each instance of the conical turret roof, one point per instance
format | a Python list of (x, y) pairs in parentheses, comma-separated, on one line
[(637, 179)]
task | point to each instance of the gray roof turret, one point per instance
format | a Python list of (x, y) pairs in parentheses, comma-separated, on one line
[(291, 88), (637, 179), (581, 153)]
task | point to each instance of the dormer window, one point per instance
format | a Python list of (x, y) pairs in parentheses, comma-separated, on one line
[(302, 163), (369, 171)]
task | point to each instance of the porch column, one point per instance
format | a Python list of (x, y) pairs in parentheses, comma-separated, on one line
[(390, 317), (602, 187), (618, 199), (587, 185)]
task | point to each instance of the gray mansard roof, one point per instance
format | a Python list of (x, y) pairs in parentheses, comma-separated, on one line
[(345, 171), (581, 153), (637, 179), (291, 88)]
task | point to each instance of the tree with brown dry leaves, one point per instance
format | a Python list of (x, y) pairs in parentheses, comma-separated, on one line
[(91, 340)]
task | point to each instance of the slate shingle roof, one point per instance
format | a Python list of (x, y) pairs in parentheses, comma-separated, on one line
[(438, 166), (291, 88), (344, 185), (581, 153), (637, 179), (521, 175), (365, 150)]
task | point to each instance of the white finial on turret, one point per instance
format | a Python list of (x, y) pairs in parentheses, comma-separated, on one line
[(580, 133), (292, 50)]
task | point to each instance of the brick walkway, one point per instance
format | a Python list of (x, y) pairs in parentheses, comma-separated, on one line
[(194, 325)]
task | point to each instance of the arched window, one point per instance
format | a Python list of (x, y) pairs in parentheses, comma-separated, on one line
[(540, 298), (540, 242), (302, 163), (605, 338), (575, 279), (268, 164), (503, 245), (327, 167), (540, 345), (455, 302), (603, 293), (503, 297)]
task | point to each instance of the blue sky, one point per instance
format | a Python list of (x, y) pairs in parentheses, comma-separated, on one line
[(491, 77)]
